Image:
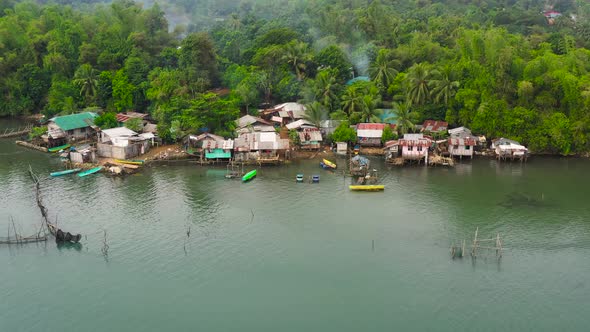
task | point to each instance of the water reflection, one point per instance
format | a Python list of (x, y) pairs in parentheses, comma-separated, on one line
[(69, 246)]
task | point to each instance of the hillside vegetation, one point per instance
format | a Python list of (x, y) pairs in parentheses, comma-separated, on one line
[(499, 67)]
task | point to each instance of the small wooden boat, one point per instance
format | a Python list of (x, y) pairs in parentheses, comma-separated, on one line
[(328, 164), (130, 162), (249, 176), (90, 171), (58, 148), (315, 178), (367, 187), (67, 171), (299, 178)]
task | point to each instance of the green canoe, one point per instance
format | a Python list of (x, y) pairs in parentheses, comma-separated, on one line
[(58, 148), (249, 176), (67, 171), (90, 171)]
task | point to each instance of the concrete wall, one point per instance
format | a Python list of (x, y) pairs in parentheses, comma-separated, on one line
[(119, 152)]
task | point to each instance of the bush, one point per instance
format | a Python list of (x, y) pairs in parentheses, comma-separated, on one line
[(37, 132), (388, 134), (294, 136), (106, 120), (344, 133), (135, 124)]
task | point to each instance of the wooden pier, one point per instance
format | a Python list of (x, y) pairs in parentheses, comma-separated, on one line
[(31, 146), (13, 132)]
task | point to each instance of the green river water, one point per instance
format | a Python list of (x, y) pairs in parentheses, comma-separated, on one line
[(274, 255)]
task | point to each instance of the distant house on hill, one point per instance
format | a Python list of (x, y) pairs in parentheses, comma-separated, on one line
[(283, 114), (249, 123), (551, 16), (433, 126)]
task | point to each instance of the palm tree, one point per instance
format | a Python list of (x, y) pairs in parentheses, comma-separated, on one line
[(326, 87), (404, 117), (418, 90), (86, 79), (352, 100), (444, 88), (296, 55), (369, 112), (382, 71), (315, 113)]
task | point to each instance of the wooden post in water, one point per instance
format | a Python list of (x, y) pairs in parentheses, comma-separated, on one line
[(474, 248)]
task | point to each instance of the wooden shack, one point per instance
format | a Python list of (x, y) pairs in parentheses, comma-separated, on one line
[(414, 147)]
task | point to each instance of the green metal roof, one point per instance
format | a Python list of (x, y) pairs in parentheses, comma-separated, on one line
[(217, 153), (74, 121)]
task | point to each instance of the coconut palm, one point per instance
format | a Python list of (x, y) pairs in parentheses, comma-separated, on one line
[(86, 79), (404, 118), (369, 112), (383, 71), (444, 88), (352, 100), (326, 86), (296, 55), (315, 113), (417, 84)]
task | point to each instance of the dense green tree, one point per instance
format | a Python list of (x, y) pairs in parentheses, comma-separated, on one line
[(122, 92), (343, 133), (333, 57), (106, 120)]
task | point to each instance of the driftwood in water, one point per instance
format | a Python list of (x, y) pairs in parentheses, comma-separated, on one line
[(60, 236)]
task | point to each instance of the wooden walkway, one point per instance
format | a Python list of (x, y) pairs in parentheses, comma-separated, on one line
[(12, 132)]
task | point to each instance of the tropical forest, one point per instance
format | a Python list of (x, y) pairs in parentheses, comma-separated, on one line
[(518, 69)]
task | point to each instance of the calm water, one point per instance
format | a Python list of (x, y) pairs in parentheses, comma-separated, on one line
[(273, 255)]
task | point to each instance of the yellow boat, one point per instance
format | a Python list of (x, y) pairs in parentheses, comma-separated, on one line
[(367, 187), (327, 164), (130, 162)]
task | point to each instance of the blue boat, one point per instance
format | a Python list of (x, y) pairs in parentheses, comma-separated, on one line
[(315, 178), (299, 178), (90, 171), (67, 171)]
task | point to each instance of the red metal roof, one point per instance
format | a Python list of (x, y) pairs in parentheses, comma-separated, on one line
[(433, 126), (424, 141), (390, 143), (123, 117), (370, 126)]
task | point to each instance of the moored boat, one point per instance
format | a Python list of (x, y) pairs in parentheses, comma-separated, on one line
[(130, 162), (315, 178), (326, 164), (58, 148), (299, 178), (367, 187), (90, 171), (67, 171), (249, 176)]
